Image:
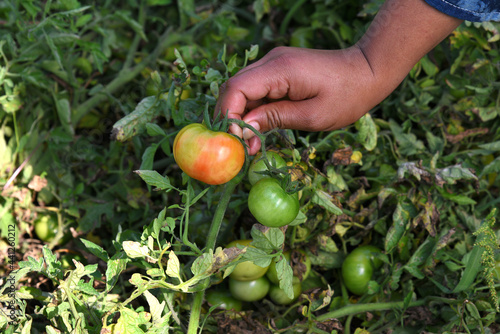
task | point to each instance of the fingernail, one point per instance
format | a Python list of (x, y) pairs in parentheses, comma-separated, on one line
[(235, 129), (247, 133)]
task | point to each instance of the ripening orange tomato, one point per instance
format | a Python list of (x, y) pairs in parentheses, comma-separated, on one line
[(213, 157)]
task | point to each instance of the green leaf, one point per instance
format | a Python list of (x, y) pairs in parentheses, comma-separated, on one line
[(87, 287), (408, 142), (325, 200), (252, 53), (95, 249), (53, 48), (153, 129), (487, 113), (153, 178), (420, 256), (130, 321), (367, 132), (267, 238), (471, 269), (493, 146), (135, 249), (457, 198), (64, 112), (159, 2), (285, 276), (258, 256), (148, 157), (155, 307), (116, 265), (435, 143), (135, 122), (202, 264), (454, 173), (93, 214), (429, 67), (300, 219), (260, 8), (492, 167), (400, 220), (136, 26), (32, 264), (173, 266)]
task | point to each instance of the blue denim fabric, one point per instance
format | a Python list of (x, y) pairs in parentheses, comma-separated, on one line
[(470, 10)]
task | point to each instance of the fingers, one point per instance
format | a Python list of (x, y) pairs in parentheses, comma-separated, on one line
[(286, 114)]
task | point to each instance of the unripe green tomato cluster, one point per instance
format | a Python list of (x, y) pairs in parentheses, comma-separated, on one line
[(249, 282), (246, 271), (246, 281)]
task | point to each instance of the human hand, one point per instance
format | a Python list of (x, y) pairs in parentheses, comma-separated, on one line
[(302, 89), (321, 90)]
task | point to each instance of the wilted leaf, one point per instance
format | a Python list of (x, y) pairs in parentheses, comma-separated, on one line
[(267, 238), (173, 266), (400, 220), (135, 122), (325, 200), (428, 217), (37, 183), (116, 265), (454, 173)]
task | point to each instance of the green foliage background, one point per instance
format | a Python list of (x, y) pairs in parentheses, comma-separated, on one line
[(92, 91)]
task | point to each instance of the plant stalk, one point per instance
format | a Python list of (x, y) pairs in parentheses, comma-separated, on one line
[(371, 307), (194, 319)]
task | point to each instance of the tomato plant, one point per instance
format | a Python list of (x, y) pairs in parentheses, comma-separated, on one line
[(246, 271), (213, 157), (279, 296), (272, 274), (223, 299), (249, 291), (258, 165), (271, 205), (358, 267)]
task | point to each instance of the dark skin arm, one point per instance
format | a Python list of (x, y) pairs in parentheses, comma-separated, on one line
[(323, 90)]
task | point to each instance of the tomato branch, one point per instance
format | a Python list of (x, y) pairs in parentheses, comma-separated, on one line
[(229, 187)]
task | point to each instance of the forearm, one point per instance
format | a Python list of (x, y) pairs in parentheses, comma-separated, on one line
[(402, 32)]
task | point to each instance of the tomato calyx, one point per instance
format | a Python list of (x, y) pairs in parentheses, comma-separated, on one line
[(219, 123)]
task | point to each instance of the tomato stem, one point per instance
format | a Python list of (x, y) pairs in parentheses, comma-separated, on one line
[(353, 309), (194, 319), (206, 118)]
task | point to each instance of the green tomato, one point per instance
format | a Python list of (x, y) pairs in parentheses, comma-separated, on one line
[(246, 271), (46, 228), (249, 291), (358, 268), (271, 205), (279, 296), (223, 300), (272, 274), (258, 165)]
